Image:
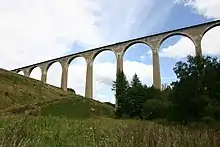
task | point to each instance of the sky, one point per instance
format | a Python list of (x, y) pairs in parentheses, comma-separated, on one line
[(33, 31)]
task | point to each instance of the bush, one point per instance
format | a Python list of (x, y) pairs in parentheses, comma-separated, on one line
[(110, 104), (71, 90), (154, 108)]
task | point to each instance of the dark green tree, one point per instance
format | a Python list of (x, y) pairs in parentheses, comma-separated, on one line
[(121, 86), (193, 94), (136, 97)]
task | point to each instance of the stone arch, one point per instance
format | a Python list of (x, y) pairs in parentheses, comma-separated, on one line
[(209, 28), (19, 72), (70, 59), (133, 43), (51, 63), (209, 43), (104, 72), (31, 72), (32, 68), (173, 49), (137, 59), (56, 81), (175, 34), (102, 50), (77, 74)]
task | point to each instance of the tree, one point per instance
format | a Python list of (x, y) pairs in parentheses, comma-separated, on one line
[(120, 86), (193, 94), (136, 97)]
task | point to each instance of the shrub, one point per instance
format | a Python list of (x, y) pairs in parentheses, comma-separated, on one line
[(154, 108)]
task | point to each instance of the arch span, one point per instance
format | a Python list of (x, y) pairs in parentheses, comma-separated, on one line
[(21, 72), (101, 51), (133, 43), (35, 73), (51, 63), (77, 75), (209, 43), (209, 28), (172, 50), (71, 59), (175, 34), (138, 60), (104, 73), (54, 73)]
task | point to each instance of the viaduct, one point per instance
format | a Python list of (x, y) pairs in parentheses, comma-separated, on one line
[(194, 33)]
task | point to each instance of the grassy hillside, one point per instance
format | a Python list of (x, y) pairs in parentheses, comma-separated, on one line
[(19, 94)]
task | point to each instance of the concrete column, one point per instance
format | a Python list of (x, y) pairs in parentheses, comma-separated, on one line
[(156, 69), (43, 74), (198, 46), (64, 76), (89, 79), (119, 59), (119, 68)]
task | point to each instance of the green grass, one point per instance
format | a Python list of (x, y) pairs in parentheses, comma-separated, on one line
[(20, 95), (105, 132), (78, 108), (16, 90)]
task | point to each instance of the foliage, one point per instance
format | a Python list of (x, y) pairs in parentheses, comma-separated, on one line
[(194, 96), (121, 86), (196, 93), (110, 104), (154, 109), (71, 90)]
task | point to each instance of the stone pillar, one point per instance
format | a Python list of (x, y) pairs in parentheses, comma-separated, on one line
[(198, 46), (119, 51), (44, 74), (89, 79), (119, 58), (156, 69), (64, 75), (26, 72)]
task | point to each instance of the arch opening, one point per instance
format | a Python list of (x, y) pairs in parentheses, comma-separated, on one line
[(101, 51), (171, 35), (104, 73), (210, 28), (210, 42), (54, 74), (173, 49), (132, 44), (20, 72), (138, 59), (77, 75), (35, 73)]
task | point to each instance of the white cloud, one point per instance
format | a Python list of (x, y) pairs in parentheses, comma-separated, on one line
[(209, 9), (184, 46), (34, 31), (210, 43), (179, 50)]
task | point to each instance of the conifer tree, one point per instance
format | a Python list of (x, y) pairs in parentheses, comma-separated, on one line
[(120, 86)]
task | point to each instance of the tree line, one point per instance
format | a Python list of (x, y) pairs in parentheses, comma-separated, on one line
[(194, 96)]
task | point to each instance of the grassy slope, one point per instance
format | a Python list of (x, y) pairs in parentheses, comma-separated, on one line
[(18, 94)]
